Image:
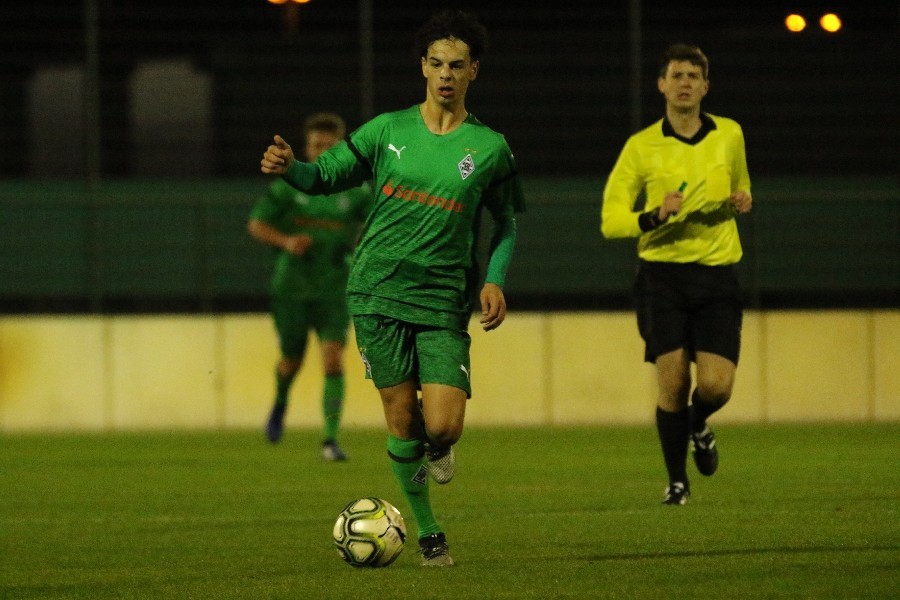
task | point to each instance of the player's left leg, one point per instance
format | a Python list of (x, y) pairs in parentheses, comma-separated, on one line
[(444, 371), (716, 330), (444, 410), (672, 421), (715, 380), (332, 399), (387, 348), (331, 322)]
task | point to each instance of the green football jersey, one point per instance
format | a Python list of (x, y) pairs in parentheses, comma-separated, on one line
[(332, 221), (415, 256)]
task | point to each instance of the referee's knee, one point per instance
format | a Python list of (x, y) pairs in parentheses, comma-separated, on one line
[(712, 393)]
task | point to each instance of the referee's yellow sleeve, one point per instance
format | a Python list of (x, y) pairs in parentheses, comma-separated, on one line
[(617, 217)]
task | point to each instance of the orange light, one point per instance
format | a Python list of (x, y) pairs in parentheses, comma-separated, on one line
[(301, 1), (795, 23), (830, 22), (277, 1)]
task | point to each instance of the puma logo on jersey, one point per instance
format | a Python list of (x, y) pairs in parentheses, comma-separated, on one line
[(394, 149), (466, 371)]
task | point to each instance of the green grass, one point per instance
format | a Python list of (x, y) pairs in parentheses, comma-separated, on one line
[(801, 511)]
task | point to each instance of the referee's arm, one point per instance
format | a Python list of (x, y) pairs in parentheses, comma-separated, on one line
[(618, 218)]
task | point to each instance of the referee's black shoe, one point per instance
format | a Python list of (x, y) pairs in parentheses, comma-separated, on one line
[(706, 455), (676, 494)]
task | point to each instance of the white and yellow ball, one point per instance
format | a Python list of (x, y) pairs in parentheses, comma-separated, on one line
[(369, 532)]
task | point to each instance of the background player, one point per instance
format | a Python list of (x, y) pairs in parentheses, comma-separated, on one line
[(693, 168), (314, 236), (434, 167)]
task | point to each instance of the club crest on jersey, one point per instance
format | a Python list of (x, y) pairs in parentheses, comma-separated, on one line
[(466, 166)]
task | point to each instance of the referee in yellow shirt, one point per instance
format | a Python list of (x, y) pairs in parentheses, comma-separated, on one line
[(692, 167)]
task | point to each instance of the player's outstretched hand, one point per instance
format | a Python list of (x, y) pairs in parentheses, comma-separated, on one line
[(493, 306), (741, 201), (277, 157)]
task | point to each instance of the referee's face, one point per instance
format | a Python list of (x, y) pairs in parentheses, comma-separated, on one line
[(683, 86)]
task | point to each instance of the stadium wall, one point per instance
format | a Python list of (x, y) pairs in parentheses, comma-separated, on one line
[(113, 373), (182, 246)]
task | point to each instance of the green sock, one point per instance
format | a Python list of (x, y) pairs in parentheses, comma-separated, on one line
[(332, 404), (409, 468), (282, 386)]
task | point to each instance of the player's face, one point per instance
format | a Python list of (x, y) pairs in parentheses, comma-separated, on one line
[(448, 69), (683, 86), (318, 142)]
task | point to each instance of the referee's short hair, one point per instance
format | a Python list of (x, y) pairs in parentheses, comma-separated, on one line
[(684, 52)]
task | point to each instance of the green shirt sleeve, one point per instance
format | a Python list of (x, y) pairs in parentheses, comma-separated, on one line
[(336, 170), (502, 244), (505, 198)]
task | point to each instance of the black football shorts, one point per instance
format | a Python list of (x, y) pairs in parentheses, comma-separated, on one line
[(691, 306)]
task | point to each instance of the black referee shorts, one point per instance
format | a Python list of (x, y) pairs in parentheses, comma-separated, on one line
[(691, 306)]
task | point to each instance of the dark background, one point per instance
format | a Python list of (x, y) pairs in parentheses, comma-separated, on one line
[(555, 79), (143, 209)]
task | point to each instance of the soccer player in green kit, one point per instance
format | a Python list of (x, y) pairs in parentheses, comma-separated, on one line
[(434, 168), (693, 168), (315, 237)]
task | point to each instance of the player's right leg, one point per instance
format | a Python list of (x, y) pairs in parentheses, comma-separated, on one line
[(662, 322), (285, 372), (292, 328), (673, 421), (387, 349), (407, 454)]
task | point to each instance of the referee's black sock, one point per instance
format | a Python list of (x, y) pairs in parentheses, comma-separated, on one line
[(674, 429), (701, 409)]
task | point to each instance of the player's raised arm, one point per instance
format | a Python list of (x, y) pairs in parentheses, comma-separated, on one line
[(277, 157)]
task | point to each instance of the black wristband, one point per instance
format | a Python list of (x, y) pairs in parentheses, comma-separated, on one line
[(649, 220)]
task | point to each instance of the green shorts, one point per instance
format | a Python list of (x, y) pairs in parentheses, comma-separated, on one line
[(396, 351), (294, 319)]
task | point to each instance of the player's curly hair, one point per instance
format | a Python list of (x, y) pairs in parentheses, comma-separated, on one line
[(684, 52), (452, 24)]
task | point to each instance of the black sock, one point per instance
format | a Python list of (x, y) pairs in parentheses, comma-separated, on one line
[(701, 410), (674, 429)]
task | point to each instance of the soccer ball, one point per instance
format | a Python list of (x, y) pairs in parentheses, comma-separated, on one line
[(369, 532)]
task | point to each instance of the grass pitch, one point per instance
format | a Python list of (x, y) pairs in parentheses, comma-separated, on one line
[(800, 511)]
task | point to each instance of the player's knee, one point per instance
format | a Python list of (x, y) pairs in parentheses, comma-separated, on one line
[(333, 368), (673, 393), (444, 434), (288, 367), (714, 393)]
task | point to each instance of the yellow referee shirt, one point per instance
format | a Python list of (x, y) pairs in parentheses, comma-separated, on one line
[(713, 164)]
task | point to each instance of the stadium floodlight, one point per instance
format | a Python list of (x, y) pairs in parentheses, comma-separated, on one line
[(795, 23), (830, 22)]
